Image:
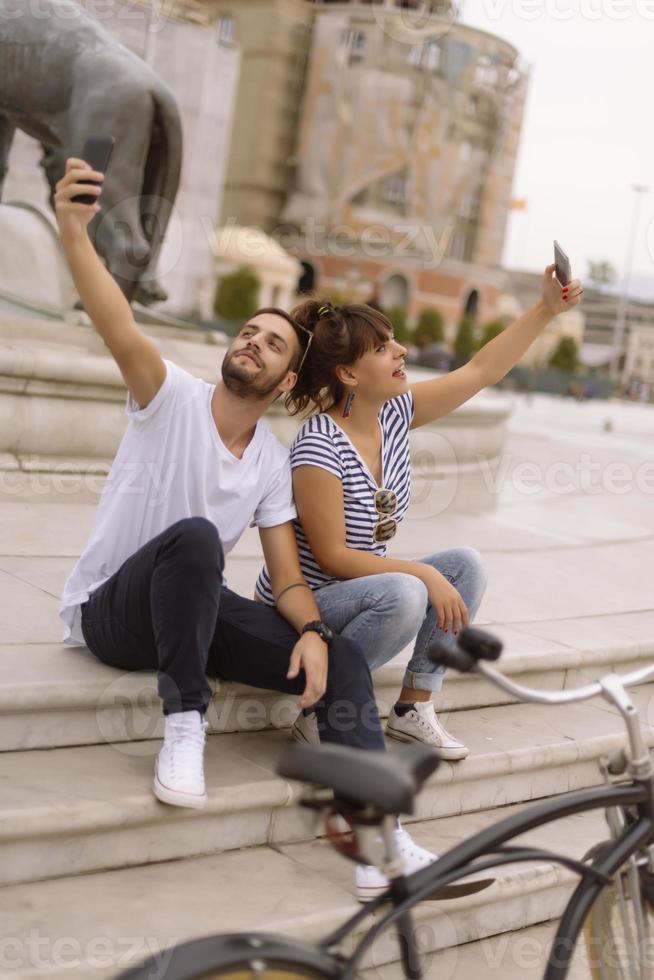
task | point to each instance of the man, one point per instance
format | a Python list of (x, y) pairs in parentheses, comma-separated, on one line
[(196, 466)]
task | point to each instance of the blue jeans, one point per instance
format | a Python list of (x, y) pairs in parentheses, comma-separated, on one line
[(383, 613)]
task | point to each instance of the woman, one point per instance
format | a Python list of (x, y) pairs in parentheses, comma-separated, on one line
[(351, 480)]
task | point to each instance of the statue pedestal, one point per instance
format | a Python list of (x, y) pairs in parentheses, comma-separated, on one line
[(33, 269)]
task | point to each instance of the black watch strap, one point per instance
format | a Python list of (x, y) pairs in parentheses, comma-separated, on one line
[(322, 629)]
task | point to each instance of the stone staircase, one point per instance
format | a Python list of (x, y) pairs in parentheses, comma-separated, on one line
[(95, 873), (99, 873)]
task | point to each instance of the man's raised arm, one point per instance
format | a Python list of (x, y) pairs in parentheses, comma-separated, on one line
[(140, 362)]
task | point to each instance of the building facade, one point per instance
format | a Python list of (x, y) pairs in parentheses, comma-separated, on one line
[(399, 182), (274, 38)]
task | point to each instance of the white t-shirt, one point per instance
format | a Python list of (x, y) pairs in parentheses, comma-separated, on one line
[(171, 464)]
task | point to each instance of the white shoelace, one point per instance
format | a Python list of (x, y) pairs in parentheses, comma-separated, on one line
[(186, 745), (411, 851), (429, 720)]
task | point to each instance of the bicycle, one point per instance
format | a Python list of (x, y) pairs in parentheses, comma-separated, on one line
[(612, 901)]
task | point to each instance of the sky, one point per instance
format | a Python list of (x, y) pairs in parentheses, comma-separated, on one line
[(588, 131)]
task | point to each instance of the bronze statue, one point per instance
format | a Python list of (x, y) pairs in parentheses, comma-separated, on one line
[(63, 78)]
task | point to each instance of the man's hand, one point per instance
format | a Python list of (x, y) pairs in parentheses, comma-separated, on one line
[(73, 218), (311, 653)]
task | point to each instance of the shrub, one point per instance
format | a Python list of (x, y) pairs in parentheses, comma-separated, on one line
[(397, 316), (238, 295), (430, 328), (566, 355), (464, 343), (489, 332)]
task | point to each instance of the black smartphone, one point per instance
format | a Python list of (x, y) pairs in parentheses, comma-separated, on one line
[(562, 272), (97, 153)]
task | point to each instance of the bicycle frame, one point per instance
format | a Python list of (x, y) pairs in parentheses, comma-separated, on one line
[(464, 860)]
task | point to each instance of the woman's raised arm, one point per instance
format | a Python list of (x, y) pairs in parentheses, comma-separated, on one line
[(436, 398)]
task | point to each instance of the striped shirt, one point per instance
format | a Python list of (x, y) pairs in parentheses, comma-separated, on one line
[(321, 442)]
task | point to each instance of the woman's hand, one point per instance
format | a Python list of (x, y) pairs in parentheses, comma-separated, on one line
[(558, 298), (73, 218), (450, 609)]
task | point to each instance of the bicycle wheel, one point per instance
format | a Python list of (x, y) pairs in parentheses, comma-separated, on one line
[(619, 931), (238, 956)]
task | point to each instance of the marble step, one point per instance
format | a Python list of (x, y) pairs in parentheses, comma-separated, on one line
[(90, 926), (52, 695), (517, 955), (90, 808)]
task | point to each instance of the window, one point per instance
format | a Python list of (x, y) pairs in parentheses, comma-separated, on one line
[(226, 29), (486, 72), (432, 56), (426, 56), (459, 245), (469, 206), (395, 190), (465, 153), (355, 44)]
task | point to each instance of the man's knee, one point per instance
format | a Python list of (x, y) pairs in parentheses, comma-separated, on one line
[(197, 538), (347, 663)]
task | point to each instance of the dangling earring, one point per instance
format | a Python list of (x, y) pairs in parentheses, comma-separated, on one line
[(347, 407)]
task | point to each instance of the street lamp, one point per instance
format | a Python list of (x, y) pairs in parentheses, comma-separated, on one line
[(621, 316)]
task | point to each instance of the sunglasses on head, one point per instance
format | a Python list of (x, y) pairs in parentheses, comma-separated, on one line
[(306, 349), (385, 505)]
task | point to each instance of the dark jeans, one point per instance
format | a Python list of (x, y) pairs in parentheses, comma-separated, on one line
[(166, 609)]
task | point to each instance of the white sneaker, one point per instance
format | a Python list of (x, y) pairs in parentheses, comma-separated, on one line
[(179, 771), (421, 724), (305, 729), (371, 882)]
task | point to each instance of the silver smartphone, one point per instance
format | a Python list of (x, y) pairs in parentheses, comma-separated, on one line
[(562, 272)]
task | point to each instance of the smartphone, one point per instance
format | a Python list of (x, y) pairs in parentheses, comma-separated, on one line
[(97, 153), (562, 272)]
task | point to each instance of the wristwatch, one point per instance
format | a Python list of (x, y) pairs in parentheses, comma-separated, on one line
[(322, 629)]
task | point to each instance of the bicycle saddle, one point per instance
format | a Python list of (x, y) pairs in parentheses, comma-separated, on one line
[(386, 780)]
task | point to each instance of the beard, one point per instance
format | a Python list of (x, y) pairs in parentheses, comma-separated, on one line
[(242, 383)]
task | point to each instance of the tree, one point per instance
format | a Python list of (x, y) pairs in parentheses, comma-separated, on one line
[(601, 273), (238, 295), (430, 328), (397, 316), (464, 343), (566, 355), (489, 332)]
